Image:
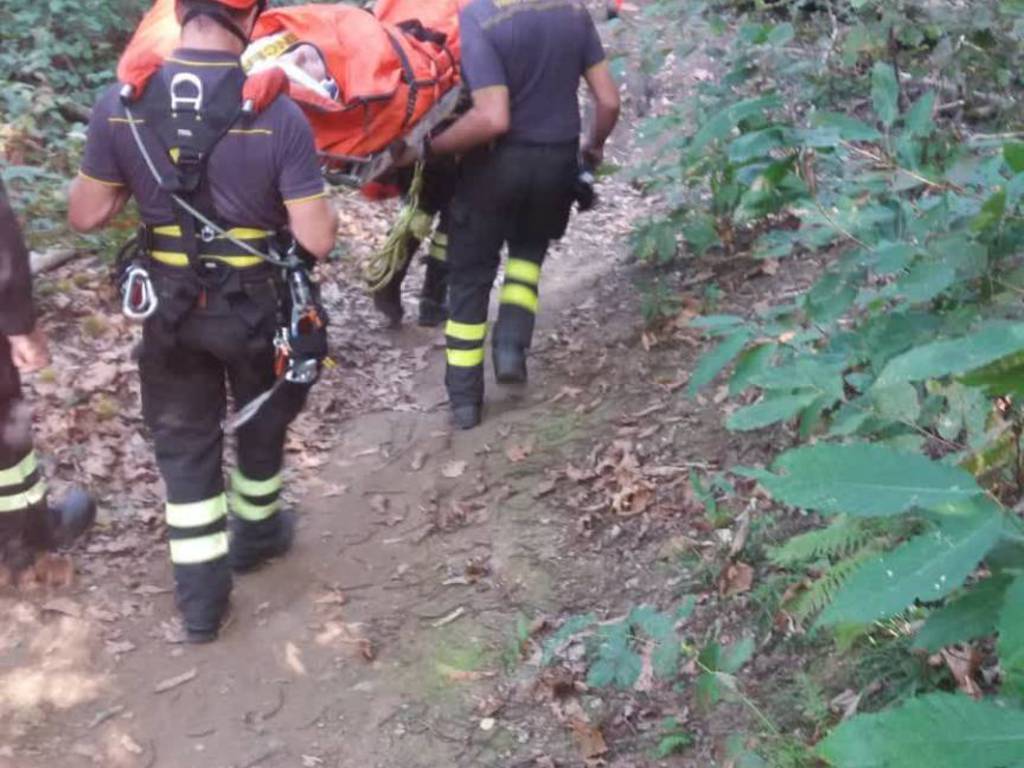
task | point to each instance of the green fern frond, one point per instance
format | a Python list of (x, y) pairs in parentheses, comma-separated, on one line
[(843, 536), (824, 588)]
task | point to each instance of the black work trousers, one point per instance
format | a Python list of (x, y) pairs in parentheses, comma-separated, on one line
[(439, 179), (515, 194), (205, 340), (25, 523)]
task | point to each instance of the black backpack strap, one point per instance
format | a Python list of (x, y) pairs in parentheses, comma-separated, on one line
[(188, 123)]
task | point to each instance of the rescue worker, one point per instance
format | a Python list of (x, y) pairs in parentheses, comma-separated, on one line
[(251, 184), (520, 141), (29, 526), (436, 195)]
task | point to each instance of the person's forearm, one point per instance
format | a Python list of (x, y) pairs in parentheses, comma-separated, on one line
[(92, 204), (605, 118), (473, 129)]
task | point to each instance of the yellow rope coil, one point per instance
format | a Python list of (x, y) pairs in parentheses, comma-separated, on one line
[(412, 223)]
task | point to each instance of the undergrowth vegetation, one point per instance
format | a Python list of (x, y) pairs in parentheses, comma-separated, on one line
[(879, 135)]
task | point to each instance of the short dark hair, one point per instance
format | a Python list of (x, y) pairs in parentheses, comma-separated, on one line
[(234, 14)]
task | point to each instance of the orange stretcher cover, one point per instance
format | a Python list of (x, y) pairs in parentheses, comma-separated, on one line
[(389, 73)]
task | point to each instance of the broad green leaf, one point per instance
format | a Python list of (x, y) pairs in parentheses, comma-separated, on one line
[(919, 120), (885, 93), (617, 664), (968, 617), (928, 568), (924, 281), (850, 128), (865, 480), (1013, 152), (1011, 637), (940, 730), (752, 362), (897, 402), (715, 360), (944, 358), (770, 410)]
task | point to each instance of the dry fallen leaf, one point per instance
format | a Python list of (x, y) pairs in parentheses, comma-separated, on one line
[(454, 469), (130, 745), (963, 662), (736, 579), (589, 739), (293, 659), (519, 452)]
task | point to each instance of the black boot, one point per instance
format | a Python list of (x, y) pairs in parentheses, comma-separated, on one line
[(466, 416), (433, 307), (432, 313), (509, 364), (388, 301), (72, 516), (253, 544)]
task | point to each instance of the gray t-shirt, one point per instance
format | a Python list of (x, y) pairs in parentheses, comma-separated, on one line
[(539, 50), (259, 165)]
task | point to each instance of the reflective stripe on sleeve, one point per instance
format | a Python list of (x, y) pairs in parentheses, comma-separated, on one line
[(197, 514), (466, 358), (242, 484), (20, 471), (201, 549), (520, 296), (466, 331), (22, 500), (523, 271)]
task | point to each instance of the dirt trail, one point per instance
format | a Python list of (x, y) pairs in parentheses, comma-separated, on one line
[(374, 642)]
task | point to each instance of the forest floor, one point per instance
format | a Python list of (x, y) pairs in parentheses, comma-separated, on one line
[(412, 624)]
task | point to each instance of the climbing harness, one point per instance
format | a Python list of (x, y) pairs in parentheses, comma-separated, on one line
[(300, 342)]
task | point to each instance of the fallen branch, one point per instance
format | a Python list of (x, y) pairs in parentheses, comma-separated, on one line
[(44, 262)]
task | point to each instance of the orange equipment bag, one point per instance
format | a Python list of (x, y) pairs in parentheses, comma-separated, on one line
[(389, 74)]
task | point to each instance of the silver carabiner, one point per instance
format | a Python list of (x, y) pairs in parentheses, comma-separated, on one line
[(139, 300)]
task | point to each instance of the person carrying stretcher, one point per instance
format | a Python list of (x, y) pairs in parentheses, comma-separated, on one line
[(520, 147), (233, 209)]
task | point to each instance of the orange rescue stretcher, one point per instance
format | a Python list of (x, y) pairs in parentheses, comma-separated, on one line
[(363, 79)]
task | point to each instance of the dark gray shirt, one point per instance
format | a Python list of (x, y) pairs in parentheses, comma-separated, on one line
[(539, 50), (259, 165)]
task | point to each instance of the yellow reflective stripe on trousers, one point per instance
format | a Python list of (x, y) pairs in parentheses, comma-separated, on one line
[(438, 252), (242, 484), (16, 502), (520, 296), (201, 549), (466, 331), (19, 472), (242, 508), (523, 271), (466, 358), (197, 513)]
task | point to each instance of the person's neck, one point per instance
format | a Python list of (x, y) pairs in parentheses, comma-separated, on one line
[(210, 37)]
